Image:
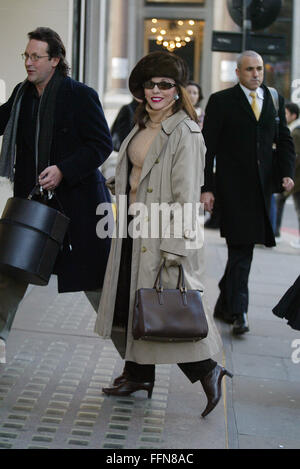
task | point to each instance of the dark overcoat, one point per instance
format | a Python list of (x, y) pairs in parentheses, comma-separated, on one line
[(289, 306), (81, 143), (242, 147)]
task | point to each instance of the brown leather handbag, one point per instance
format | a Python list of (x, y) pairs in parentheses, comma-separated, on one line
[(169, 314)]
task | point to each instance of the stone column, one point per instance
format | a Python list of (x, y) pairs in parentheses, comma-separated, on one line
[(223, 63), (95, 46), (118, 41)]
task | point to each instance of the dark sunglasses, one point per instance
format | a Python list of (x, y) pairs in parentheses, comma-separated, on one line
[(162, 85)]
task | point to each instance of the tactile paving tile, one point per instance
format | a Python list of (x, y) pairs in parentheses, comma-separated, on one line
[(51, 388), (51, 397), (44, 310)]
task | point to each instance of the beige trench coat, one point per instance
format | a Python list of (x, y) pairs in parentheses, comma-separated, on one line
[(172, 173)]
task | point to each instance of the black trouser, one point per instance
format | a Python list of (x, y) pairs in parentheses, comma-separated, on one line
[(146, 373), (234, 295)]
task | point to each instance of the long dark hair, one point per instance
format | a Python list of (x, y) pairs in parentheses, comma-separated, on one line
[(182, 103), (56, 47)]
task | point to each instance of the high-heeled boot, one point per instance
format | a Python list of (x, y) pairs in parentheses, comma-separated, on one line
[(212, 386), (128, 387)]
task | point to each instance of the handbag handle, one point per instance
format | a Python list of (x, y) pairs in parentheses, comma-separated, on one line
[(181, 280), (34, 191), (39, 188), (180, 284)]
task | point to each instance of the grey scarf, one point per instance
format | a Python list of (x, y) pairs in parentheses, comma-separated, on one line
[(44, 129), (8, 150)]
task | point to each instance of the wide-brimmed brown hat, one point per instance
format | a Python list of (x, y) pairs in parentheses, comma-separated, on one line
[(157, 64)]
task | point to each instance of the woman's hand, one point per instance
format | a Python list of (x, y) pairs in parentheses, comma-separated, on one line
[(171, 259)]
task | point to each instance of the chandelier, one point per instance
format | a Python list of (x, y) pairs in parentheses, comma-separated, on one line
[(173, 34)]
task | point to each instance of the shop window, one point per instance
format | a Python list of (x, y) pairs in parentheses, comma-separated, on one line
[(183, 37), (199, 2), (278, 68)]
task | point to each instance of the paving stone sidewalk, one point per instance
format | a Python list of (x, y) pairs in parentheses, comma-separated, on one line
[(50, 388), (264, 410)]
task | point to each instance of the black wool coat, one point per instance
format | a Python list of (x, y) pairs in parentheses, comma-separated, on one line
[(242, 147), (81, 143), (123, 124), (289, 306)]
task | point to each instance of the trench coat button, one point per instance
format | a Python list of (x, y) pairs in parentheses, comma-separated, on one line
[(157, 161), (144, 249), (258, 162), (149, 189)]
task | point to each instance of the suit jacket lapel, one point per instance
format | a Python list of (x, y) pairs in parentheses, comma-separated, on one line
[(268, 109), (243, 101)]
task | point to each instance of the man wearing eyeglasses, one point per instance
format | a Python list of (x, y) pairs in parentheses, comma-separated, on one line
[(61, 138)]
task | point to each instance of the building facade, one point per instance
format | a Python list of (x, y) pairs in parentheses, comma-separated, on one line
[(105, 38)]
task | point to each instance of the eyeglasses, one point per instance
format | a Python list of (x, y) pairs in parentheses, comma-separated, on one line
[(162, 85), (32, 57)]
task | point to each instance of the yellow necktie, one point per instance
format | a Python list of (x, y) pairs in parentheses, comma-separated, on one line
[(254, 105)]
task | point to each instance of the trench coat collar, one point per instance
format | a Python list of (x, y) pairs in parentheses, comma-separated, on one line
[(124, 146), (243, 101), (160, 141), (171, 123), (167, 127)]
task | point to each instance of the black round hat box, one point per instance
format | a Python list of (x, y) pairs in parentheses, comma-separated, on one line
[(31, 234)]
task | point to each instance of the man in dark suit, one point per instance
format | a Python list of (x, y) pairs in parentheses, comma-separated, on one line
[(61, 135), (240, 130)]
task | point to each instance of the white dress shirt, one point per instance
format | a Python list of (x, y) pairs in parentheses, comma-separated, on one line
[(259, 95)]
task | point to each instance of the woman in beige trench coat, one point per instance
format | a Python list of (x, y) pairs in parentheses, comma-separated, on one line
[(161, 161)]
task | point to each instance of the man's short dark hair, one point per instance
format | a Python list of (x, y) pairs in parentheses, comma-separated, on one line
[(293, 109), (56, 47)]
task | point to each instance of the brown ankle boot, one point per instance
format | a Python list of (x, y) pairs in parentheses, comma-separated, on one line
[(128, 387), (120, 379), (212, 387)]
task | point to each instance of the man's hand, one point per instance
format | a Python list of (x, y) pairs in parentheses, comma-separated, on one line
[(50, 178), (207, 198), (288, 184)]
